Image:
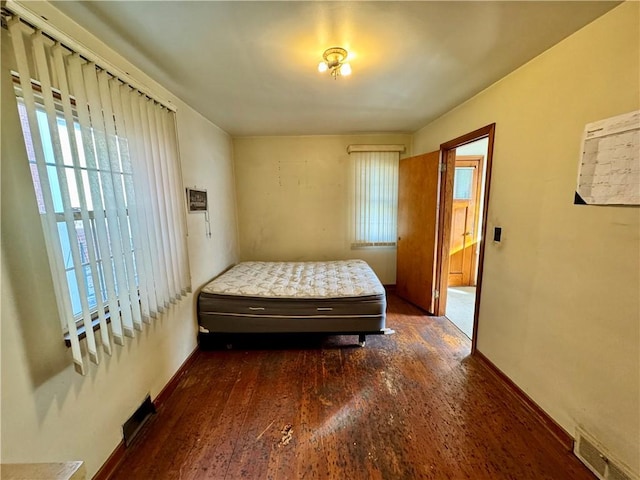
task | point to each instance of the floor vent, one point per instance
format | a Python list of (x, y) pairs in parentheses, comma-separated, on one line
[(135, 422), (598, 460)]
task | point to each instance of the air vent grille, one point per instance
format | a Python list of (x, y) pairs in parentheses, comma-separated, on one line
[(133, 425), (598, 460), (594, 459)]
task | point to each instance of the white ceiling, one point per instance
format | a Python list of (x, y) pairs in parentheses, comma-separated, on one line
[(251, 67)]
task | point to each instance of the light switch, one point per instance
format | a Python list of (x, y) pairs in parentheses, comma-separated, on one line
[(497, 234)]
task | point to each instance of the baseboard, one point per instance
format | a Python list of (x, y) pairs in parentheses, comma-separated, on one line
[(111, 464), (558, 433), (116, 457)]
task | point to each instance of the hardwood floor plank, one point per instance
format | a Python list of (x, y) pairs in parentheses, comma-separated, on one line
[(273, 401), (219, 435), (413, 405)]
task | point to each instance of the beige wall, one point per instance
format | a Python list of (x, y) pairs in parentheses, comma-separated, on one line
[(49, 412), (293, 199), (560, 309)]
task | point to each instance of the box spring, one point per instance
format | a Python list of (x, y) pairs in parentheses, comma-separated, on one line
[(294, 297), (232, 314)]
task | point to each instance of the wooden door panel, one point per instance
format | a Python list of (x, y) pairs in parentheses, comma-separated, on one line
[(456, 263), (460, 267), (417, 218), (459, 225), (458, 255), (464, 238)]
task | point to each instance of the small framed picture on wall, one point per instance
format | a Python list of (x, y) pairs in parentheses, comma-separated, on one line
[(197, 200)]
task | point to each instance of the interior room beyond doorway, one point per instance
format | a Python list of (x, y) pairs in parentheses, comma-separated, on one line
[(466, 231)]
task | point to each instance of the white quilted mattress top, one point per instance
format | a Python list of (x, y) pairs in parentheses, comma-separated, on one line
[(339, 278)]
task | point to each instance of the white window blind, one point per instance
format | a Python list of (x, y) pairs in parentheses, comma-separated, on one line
[(375, 198), (105, 168)]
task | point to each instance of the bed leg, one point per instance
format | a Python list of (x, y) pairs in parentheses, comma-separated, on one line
[(361, 340)]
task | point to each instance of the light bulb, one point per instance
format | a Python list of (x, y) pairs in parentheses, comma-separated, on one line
[(322, 67), (345, 69)]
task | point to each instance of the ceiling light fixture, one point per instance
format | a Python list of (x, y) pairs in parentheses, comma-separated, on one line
[(335, 61)]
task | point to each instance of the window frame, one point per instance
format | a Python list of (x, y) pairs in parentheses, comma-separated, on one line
[(77, 215)]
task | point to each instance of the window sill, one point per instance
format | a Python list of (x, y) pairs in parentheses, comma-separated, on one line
[(82, 330), (364, 246)]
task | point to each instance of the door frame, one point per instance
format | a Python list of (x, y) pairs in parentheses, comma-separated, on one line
[(447, 158)]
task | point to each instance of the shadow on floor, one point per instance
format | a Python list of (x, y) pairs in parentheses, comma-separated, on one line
[(276, 341)]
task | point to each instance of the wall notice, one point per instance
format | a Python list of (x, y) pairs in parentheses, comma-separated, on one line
[(609, 172)]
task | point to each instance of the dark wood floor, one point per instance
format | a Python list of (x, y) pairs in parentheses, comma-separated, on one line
[(407, 406)]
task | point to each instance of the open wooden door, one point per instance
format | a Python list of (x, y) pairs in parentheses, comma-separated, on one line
[(417, 220)]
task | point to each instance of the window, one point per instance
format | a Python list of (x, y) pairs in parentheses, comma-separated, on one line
[(463, 183), (78, 234), (375, 199), (105, 168)]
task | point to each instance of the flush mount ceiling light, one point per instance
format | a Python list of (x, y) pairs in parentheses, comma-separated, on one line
[(335, 61)]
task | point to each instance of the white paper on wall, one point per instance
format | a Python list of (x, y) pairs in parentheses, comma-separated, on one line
[(609, 172)]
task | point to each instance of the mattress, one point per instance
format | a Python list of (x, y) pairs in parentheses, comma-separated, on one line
[(293, 297)]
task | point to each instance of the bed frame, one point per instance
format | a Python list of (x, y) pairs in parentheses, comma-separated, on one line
[(332, 298)]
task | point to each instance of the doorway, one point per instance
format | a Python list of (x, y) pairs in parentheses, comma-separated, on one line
[(466, 219), (425, 216), (478, 143)]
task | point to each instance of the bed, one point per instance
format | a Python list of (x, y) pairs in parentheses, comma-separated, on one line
[(342, 297)]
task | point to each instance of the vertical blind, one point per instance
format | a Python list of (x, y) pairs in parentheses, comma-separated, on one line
[(375, 200), (105, 169)]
